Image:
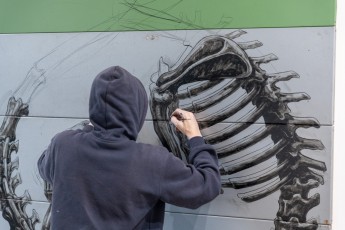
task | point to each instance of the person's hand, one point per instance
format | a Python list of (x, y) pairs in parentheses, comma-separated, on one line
[(186, 123)]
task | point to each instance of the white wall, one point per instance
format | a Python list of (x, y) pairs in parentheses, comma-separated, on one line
[(339, 124)]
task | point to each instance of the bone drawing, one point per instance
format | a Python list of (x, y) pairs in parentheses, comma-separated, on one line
[(13, 206), (244, 114)]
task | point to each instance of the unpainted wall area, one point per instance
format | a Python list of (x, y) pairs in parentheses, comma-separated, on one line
[(52, 73)]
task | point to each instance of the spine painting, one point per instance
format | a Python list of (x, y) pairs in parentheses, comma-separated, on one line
[(241, 111)]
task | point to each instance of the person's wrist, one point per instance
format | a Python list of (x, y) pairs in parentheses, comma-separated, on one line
[(195, 141), (193, 135)]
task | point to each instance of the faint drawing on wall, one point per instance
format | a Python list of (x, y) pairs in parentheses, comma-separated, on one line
[(219, 81), (45, 69), (239, 106)]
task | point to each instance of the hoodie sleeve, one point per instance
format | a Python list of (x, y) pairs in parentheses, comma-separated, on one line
[(45, 163), (195, 184)]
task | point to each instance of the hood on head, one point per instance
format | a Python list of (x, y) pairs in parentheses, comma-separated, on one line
[(118, 104)]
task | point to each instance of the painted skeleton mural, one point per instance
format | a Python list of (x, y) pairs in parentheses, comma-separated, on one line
[(218, 70), (12, 205), (240, 111)]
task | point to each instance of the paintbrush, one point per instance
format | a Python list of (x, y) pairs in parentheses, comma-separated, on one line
[(180, 117)]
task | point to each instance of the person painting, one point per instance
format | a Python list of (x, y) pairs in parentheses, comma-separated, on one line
[(103, 179)]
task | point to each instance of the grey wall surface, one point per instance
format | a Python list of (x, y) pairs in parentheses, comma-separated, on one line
[(53, 74)]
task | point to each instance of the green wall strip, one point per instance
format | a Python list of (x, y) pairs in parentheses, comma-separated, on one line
[(17, 16)]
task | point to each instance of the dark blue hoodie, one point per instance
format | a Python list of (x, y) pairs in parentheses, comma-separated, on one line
[(102, 179)]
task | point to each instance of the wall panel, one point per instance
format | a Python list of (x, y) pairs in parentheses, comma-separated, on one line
[(291, 56)]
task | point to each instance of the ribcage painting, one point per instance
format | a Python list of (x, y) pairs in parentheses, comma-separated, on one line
[(219, 81), (262, 98)]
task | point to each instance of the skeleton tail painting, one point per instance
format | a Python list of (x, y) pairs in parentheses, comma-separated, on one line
[(220, 82), (13, 206)]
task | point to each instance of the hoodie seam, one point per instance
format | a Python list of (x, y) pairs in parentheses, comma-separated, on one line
[(162, 176), (105, 107), (110, 140)]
